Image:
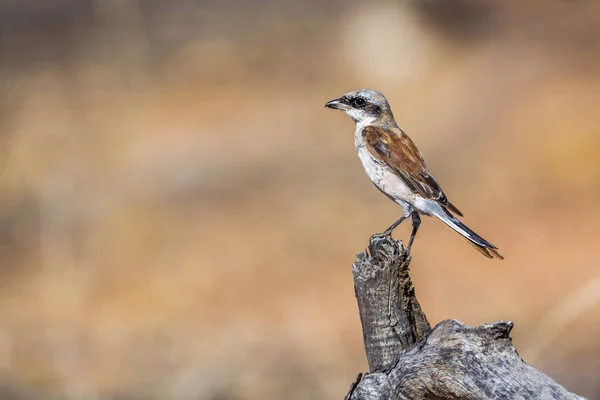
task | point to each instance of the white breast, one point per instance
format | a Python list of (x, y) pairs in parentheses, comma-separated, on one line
[(382, 175)]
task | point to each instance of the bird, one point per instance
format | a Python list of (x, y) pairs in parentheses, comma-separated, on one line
[(397, 168)]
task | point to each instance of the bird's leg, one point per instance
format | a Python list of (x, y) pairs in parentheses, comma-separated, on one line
[(378, 238), (388, 231), (416, 221)]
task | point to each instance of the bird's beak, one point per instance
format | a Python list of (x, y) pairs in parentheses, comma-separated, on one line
[(336, 105)]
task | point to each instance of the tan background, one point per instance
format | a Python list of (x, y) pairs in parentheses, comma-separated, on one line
[(179, 213)]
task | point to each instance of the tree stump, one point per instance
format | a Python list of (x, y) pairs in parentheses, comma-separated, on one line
[(409, 360)]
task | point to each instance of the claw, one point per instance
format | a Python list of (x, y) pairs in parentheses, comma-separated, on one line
[(377, 240)]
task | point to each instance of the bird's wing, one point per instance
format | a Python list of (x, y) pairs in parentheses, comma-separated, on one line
[(399, 152)]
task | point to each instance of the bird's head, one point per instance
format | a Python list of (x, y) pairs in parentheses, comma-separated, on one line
[(363, 106)]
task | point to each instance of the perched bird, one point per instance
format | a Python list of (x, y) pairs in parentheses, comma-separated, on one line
[(398, 169)]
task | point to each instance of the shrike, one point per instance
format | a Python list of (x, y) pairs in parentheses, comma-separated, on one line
[(398, 169)]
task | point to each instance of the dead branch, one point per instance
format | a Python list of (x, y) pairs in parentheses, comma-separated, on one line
[(408, 360)]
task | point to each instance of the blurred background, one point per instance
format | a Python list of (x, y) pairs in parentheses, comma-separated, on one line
[(179, 213)]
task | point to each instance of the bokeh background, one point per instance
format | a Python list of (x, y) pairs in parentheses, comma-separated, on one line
[(179, 213)]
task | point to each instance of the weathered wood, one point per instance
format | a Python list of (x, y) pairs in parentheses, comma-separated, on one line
[(407, 360), (392, 319)]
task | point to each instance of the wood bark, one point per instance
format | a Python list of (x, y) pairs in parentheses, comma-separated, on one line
[(409, 360)]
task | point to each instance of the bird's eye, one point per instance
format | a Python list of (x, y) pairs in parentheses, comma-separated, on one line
[(359, 102)]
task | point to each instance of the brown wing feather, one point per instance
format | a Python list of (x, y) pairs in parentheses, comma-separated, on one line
[(399, 152)]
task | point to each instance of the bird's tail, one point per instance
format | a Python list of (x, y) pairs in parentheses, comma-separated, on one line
[(480, 244)]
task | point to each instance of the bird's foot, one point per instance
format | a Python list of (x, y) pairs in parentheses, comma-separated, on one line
[(378, 240), (406, 254), (381, 236)]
